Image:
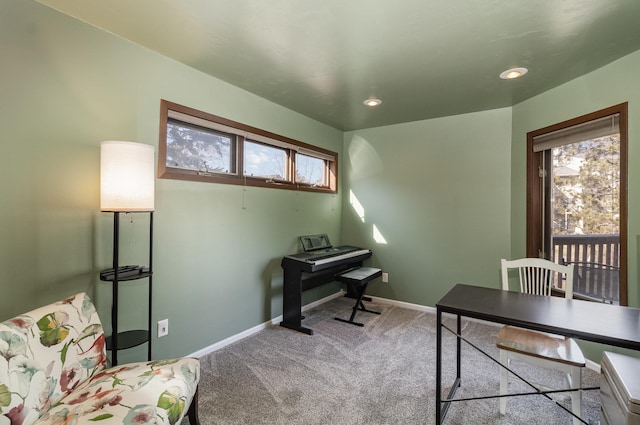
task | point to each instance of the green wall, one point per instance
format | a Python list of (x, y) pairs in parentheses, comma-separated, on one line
[(438, 191), (67, 86), (613, 84), (447, 195)]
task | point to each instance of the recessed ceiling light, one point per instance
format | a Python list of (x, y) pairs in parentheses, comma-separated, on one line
[(512, 73), (372, 102)]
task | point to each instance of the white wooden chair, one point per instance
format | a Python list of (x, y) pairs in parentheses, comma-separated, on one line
[(537, 348)]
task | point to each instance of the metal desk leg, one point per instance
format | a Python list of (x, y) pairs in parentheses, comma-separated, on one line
[(442, 407), (458, 352), (438, 366)]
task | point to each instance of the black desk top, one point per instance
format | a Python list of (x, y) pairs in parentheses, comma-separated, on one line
[(603, 323)]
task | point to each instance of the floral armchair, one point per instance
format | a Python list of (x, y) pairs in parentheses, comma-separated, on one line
[(53, 371)]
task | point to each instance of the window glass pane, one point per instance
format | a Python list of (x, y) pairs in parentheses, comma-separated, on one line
[(586, 195), (198, 149), (585, 214), (264, 161), (310, 170), (198, 146)]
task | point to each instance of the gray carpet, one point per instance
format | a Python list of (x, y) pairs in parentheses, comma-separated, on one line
[(383, 373)]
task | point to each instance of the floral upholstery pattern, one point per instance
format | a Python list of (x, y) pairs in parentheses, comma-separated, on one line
[(53, 371)]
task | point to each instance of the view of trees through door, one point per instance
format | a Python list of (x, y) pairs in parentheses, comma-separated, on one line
[(576, 201)]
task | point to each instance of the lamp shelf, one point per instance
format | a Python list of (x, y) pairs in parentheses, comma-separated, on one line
[(129, 339), (125, 273)]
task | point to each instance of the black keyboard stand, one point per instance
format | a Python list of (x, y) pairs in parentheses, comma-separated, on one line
[(357, 280)]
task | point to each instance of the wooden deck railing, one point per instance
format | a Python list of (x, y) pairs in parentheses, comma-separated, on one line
[(597, 261)]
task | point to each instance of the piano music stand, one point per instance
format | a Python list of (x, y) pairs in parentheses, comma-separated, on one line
[(357, 279)]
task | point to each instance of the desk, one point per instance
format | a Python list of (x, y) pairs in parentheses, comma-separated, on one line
[(603, 323)]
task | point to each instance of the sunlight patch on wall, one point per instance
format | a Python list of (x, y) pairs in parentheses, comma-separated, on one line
[(364, 159), (356, 205), (377, 236)]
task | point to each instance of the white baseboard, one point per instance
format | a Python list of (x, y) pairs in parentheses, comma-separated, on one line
[(402, 304), (275, 321)]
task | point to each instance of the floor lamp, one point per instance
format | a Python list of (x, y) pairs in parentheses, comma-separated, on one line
[(127, 181)]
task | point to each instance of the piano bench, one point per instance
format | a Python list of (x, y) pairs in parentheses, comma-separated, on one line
[(357, 279)]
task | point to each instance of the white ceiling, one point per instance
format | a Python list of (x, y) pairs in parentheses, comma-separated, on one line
[(423, 58)]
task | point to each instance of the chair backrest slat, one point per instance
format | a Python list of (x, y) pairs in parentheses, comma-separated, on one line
[(537, 275)]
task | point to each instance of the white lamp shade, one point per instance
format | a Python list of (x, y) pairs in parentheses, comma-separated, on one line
[(126, 176)]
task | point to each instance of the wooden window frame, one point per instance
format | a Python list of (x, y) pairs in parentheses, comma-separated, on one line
[(251, 134), (534, 187)]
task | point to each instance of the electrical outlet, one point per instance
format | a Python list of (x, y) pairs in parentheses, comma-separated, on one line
[(163, 328), (385, 277)]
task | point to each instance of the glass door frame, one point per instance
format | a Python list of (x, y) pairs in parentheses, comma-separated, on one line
[(535, 204)]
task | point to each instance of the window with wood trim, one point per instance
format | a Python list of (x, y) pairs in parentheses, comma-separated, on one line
[(577, 201), (199, 146)]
